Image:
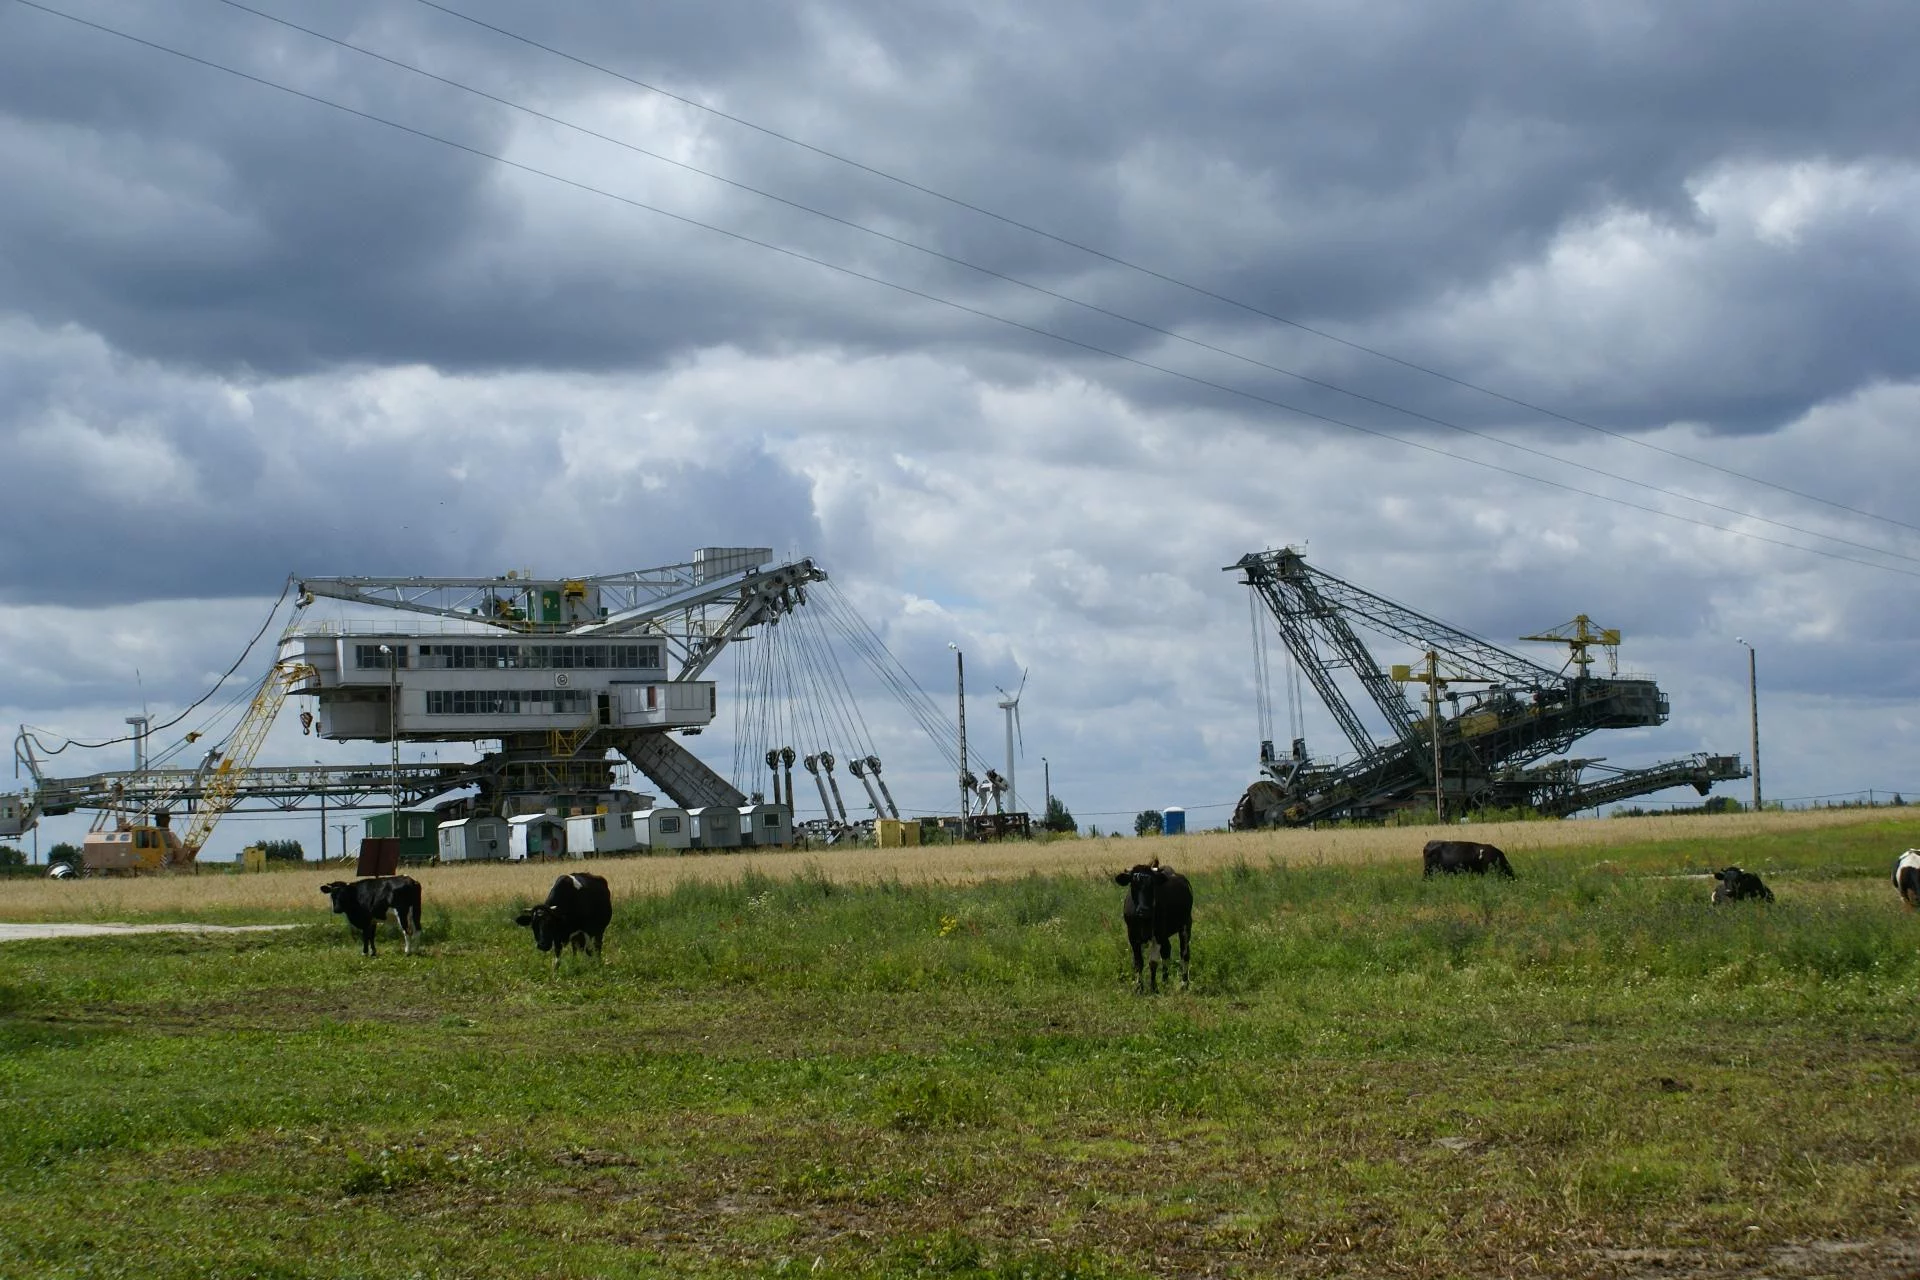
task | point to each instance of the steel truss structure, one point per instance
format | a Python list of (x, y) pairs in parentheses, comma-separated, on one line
[(694, 610), (1521, 713)]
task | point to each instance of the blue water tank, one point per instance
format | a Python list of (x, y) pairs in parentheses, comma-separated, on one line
[(1173, 822)]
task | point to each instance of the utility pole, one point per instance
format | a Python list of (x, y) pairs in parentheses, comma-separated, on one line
[(960, 676), (1753, 712), (393, 733), (1046, 775), (1434, 681), (323, 823), (343, 828)]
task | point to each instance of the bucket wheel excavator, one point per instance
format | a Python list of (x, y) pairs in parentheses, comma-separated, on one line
[(1492, 743)]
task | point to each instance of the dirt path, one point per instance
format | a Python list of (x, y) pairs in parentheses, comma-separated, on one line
[(24, 932)]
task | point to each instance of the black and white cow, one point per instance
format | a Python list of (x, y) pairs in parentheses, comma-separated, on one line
[(1158, 909), (365, 903), (1453, 857), (1906, 877), (577, 911), (1736, 885)]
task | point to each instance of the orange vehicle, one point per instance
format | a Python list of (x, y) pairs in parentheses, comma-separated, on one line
[(130, 847)]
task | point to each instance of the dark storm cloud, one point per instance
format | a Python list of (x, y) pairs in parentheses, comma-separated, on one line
[(126, 482), (1346, 166)]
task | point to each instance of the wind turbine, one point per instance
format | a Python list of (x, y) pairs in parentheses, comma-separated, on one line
[(1010, 703)]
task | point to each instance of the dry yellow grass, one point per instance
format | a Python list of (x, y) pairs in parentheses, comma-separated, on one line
[(278, 893)]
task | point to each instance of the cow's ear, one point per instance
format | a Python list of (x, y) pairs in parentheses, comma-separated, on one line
[(1125, 877), (524, 918)]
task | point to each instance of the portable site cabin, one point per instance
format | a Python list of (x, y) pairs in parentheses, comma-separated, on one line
[(415, 831), (473, 840), (892, 833), (535, 836), (591, 833), (664, 829), (715, 826), (766, 825)]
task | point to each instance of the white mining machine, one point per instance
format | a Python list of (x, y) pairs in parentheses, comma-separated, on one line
[(552, 675)]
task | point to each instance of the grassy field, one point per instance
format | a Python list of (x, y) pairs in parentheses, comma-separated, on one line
[(220, 897), (933, 1065)]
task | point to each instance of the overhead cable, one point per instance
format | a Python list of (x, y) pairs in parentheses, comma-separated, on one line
[(1094, 308), (1164, 277), (910, 291), (34, 735)]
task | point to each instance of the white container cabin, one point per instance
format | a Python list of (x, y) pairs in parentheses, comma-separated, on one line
[(591, 833), (536, 836), (715, 826), (473, 840), (766, 825), (664, 829)]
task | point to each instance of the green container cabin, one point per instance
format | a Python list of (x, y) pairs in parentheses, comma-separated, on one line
[(419, 833)]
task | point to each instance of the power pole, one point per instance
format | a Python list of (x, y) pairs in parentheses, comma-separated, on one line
[(1433, 722), (343, 828), (1434, 681), (1753, 710), (960, 676), (393, 731)]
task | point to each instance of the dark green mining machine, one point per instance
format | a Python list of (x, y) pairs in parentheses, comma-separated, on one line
[(1495, 731)]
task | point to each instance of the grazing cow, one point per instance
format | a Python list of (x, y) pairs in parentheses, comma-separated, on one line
[(1452, 857), (577, 911), (1906, 877), (1158, 908), (1735, 885), (365, 903)]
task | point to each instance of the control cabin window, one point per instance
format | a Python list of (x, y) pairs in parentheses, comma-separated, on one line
[(536, 657), (368, 656)]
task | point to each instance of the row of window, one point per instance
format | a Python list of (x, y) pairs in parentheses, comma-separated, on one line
[(507, 702), (510, 657)]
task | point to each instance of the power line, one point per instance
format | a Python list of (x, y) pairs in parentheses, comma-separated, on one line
[(1051, 293), (910, 291), (1200, 290), (27, 731)]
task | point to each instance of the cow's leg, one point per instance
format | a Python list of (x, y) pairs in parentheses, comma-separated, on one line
[(1156, 951), (367, 947), (1139, 976)]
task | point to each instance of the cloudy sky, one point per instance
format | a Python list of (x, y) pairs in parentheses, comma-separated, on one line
[(1022, 320)]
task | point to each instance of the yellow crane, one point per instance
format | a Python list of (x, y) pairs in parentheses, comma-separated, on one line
[(220, 785), (1577, 636), (125, 841)]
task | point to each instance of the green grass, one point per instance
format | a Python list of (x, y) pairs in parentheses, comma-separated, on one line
[(1371, 1073)]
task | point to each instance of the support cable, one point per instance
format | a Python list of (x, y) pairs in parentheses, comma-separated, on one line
[(1262, 697)]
